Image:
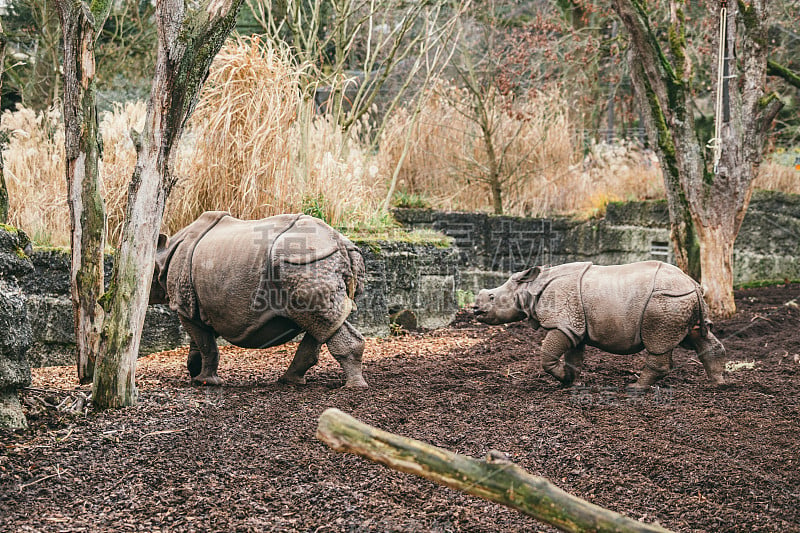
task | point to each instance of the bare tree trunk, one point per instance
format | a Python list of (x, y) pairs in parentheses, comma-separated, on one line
[(497, 195), (495, 479), (487, 127), (706, 205), (716, 255), (189, 36), (495, 182), (81, 27)]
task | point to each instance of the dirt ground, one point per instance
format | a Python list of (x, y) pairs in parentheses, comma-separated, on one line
[(244, 458)]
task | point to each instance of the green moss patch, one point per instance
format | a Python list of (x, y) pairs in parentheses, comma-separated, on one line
[(418, 236), (764, 283)]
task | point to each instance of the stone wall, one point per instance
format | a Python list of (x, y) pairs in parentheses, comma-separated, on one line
[(50, 313), (490, 247), (768, 246), (425, 279), (421, 278)]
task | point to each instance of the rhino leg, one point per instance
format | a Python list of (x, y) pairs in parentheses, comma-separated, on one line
[(347, 347), (554, 345), (194, 362), (573, 363), (656, 366), (306, 356), (711, 353), (206, 343)]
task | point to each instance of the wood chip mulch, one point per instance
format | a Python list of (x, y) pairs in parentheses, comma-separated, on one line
[(243, 457)]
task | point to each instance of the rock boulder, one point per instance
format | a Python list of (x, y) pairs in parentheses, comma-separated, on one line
[(15, 329)]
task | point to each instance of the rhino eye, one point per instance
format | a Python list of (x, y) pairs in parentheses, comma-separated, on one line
[(491, 297)]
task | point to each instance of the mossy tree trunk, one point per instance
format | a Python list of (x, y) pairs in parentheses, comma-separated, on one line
[(3, 188), (706, 205), (81, 25), (189, 36), (495, 479)]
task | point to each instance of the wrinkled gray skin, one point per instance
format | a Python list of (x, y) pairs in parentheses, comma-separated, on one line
[(259, 283), (620, 309)]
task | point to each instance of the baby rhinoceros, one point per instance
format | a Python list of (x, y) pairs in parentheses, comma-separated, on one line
[(259, 283), (620, 309)]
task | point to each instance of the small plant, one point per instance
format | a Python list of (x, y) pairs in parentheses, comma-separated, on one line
[(396, 330), (314, 206), (379, 222), (410, 200), (8, 228), (598, 203), (464, 299)]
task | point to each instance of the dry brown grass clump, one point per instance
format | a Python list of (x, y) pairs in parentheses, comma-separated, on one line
[(447, 161), (616, 172), (35, 175), (119, 160), (240, 133), (776, 177), (259, 149), (34, 170), (256, 147)]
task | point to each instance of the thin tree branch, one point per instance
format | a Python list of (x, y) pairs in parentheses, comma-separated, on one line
[(776, 69), (496, 478)]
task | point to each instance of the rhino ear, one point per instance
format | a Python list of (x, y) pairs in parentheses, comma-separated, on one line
[(527, 275), (162, 241)]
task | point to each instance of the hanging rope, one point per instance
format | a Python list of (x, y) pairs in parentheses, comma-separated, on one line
[(716, 142)]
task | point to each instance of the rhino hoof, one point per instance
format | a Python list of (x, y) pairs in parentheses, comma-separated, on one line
[(356, 384), (207, 381), (720, 382), (635, 389), (292, 380)]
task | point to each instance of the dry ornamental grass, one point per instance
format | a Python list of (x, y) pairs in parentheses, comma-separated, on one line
[(256, 147)]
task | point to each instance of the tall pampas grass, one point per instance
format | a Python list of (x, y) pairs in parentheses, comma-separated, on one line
[(260, 149), (35, 175), (241, 135), (119, 160), (257, 147), (34, 170)]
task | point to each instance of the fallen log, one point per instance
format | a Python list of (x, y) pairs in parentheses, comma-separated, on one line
[(496, 478)]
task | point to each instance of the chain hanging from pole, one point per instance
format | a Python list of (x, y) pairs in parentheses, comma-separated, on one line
[(716, 142)]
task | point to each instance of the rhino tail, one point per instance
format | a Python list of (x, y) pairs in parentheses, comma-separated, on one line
[(704, 322), (355, 280)]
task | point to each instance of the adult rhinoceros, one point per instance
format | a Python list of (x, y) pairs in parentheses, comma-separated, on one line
[(620, 309), (259, 283)]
